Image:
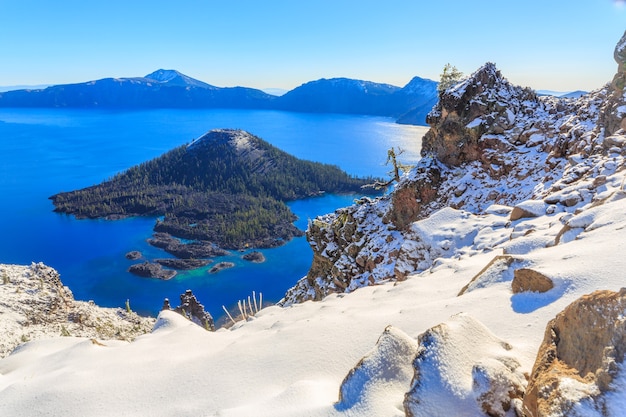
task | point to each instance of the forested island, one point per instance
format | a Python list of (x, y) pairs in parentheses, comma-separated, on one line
[(228, 189)]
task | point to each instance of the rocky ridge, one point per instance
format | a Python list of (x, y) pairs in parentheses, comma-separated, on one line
[(492, 147), (34, 304), (507, 172)]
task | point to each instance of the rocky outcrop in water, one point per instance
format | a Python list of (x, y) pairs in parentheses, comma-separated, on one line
[(220, 266), (183, 264), (254, 256), (151, 270), (185, 250)]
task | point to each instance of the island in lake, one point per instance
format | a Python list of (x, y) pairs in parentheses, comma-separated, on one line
[(225, 190)]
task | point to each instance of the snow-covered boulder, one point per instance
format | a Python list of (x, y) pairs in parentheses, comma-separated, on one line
[(461, 365), (383, 371)]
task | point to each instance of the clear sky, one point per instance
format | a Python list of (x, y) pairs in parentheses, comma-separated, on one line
[(561, 45)]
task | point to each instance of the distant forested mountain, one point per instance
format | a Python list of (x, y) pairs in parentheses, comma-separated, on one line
[(160, 89), (227, 187), (344, 95), (171, 89)]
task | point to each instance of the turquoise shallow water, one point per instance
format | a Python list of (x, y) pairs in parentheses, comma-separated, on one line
[(45, 151)]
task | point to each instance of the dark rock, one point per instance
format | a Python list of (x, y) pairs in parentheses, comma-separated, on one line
[(220, 266), (255, 256), (183, 264), (162, 240), (194, 250), (166, 305), (194, 311), (133, 255), (151, 270)]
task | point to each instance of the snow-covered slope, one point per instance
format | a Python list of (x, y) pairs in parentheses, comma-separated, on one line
[(292, 361), (433, 300)]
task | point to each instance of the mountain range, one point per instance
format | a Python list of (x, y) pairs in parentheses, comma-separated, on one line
[(172, 89)]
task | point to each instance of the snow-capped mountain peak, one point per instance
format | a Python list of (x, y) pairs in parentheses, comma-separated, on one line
[(175, 78)]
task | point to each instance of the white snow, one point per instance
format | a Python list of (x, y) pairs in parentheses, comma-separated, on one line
[(295, 360), (291, 361)]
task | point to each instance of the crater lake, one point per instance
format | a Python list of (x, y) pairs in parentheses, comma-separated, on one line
[(46, 151)]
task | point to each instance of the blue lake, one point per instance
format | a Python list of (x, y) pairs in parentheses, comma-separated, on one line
[(45, 151)]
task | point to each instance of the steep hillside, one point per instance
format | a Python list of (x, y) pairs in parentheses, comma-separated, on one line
[(490, 143), (227, 187)]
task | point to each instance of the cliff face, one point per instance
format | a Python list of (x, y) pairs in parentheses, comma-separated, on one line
[(490, 143)]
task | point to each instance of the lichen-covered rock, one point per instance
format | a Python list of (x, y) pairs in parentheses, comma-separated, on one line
[(461, 365), (581, 354)]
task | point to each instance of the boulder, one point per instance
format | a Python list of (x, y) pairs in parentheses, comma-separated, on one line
[(385, 366), (526, 279), (581, 354), (461, 365), (528, 209)]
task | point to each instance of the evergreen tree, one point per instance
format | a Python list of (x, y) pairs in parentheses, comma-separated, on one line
[(449, 77)]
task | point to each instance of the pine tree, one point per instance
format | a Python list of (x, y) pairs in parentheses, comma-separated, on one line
[(449, 77)]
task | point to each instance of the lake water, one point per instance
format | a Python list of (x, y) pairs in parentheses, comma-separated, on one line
[(45, 151)]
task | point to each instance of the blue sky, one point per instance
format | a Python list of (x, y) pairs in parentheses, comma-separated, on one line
[(560, 45)]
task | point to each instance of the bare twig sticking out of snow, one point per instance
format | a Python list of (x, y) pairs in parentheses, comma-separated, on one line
[(247, 308)]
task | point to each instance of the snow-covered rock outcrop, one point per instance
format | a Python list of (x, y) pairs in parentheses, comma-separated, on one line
[(34, 304), (462, 366), (491, 144)]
